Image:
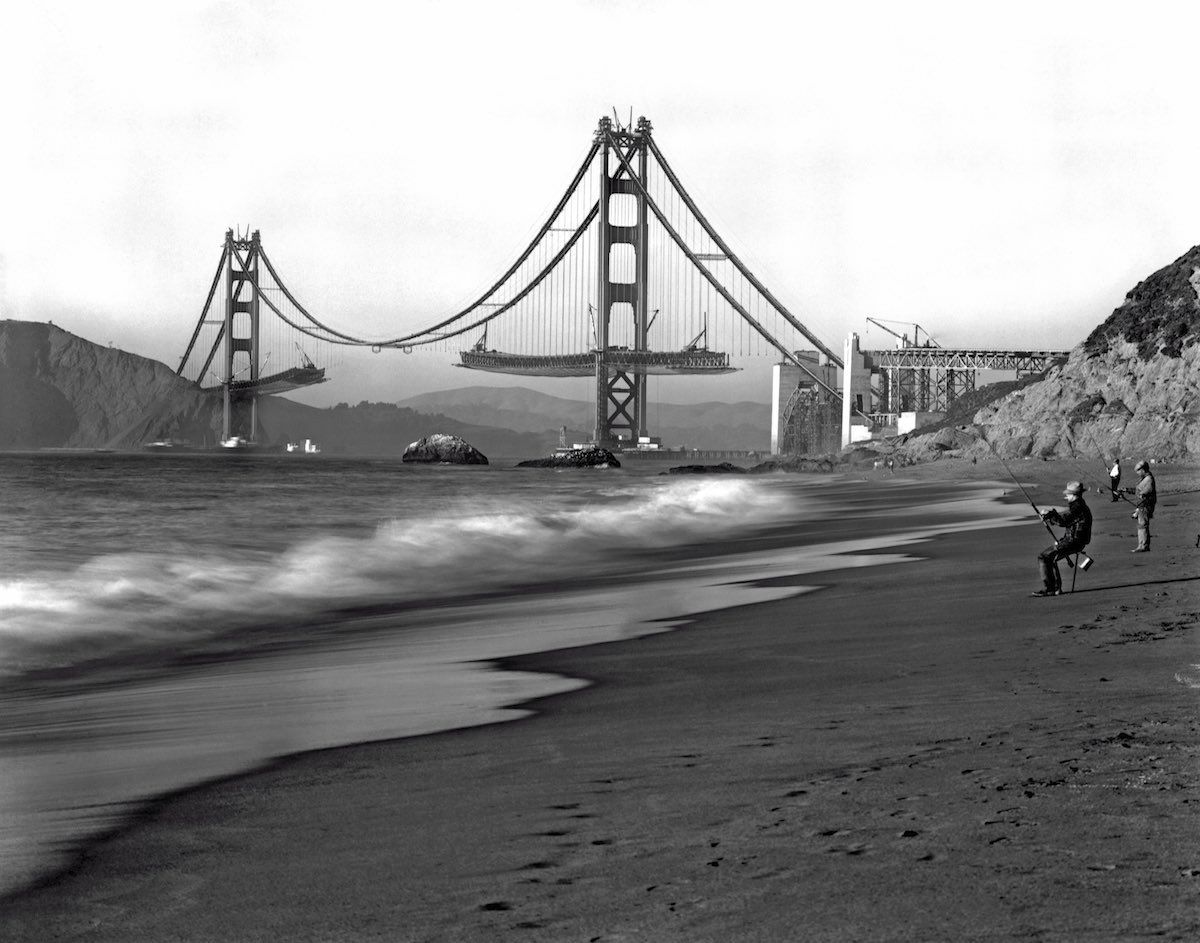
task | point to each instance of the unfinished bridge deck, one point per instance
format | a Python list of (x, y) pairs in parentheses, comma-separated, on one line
[(649, 362), (959, 358)]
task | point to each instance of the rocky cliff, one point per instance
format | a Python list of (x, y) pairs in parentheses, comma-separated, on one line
[(61, 391), (1132, 388)]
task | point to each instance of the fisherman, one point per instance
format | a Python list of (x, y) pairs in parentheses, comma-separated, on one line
[(1114, 479), (1078, 523), (1147, 497)]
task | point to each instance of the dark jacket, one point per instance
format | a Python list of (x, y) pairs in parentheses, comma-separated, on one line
[(1078, 522)]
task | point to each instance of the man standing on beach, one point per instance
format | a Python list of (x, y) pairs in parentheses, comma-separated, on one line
[(1147, 498), (1114, 478), (1078, 523)]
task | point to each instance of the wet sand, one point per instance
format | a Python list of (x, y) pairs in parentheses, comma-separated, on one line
[(915, 751)]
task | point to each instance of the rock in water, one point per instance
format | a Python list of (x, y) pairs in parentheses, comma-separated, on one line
[(593, 457), (793, 463), (724, 468), (444, 449)]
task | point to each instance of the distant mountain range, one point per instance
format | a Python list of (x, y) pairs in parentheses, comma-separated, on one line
[(58, 390), (743, 425)]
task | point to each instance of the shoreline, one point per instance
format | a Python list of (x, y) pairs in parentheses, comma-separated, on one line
[(687, 739), (393, 673)]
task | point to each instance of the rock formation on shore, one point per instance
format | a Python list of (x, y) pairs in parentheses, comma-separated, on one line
[(443, 449), (590, 457), (798, 463), (1132, 388), (722, 468)]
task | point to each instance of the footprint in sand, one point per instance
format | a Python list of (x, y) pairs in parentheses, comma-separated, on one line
[(848, 850)]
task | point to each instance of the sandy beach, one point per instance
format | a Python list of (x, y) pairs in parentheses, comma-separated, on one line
[(913, 751)]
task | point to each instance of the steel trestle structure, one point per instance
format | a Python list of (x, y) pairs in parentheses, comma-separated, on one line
[(929, 379)]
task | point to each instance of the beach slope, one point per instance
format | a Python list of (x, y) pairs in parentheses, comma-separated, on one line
[(913, 751)]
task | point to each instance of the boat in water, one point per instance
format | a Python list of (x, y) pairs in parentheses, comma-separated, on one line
[(308, 448), (168, 445)]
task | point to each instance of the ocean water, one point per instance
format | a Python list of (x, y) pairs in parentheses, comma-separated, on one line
[(171, 619)]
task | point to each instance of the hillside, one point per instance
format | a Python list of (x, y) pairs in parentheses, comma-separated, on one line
[(710, 425), (1132, 388), (61, 391), (58, 390)]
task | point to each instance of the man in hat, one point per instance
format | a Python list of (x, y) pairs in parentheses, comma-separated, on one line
[(1077, 519), (1114, 479), (1147, 497)]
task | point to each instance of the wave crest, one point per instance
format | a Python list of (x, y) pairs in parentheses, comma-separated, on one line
[(129, 601)]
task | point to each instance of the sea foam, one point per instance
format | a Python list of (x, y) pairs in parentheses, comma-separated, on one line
[(116, 603)]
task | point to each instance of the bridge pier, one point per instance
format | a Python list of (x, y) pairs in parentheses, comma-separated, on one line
[(241, 273), (621, 405)]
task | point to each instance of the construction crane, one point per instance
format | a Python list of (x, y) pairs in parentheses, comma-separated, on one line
[(308, 364), (903, 338)]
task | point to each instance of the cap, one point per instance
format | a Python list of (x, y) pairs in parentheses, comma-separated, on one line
[(1140, 465), (1073, 487)]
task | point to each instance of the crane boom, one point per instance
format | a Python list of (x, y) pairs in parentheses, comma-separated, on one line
[(903, 338)]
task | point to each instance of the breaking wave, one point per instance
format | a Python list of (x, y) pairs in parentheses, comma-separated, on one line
[(168, 600)]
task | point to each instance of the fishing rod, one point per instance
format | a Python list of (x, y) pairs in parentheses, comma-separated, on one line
[(1085, 561), (1117, 492), (1016, 481)]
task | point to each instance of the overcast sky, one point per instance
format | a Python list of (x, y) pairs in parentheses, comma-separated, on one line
[(999, 173)]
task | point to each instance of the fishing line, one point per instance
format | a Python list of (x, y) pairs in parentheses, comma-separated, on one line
[(1028, 498), (1099, 454)]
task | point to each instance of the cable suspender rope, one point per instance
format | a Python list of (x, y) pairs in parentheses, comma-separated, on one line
[(442, 337), (712, 280), (402, 341), (211, 354), (787, 315), (520, 295), (203, 311)]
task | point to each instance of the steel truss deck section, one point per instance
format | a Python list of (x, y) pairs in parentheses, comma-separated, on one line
[(648, 362), (942, 358), (291, 379)]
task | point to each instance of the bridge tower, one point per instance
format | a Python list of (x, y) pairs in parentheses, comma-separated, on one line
[(620, 395), (241, 314)]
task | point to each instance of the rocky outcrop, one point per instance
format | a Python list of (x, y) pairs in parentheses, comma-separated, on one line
[(61, 391), (795, 463), (723, 468), (593, 457), (1130, 389), (1113, 403), (58, 390), (442, 449)]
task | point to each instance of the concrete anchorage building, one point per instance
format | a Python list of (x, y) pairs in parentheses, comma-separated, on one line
[(820, 408), (804, 415), (894, 391)]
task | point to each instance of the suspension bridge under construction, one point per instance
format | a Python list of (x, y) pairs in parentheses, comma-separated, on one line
[(625, 279)]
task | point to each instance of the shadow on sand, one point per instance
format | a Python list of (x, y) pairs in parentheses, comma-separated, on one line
[(1101, 589)]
